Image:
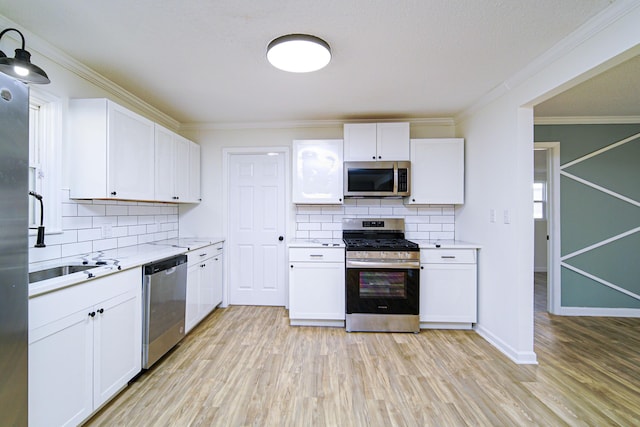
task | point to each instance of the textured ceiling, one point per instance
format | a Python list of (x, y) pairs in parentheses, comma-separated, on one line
[(204, 61)]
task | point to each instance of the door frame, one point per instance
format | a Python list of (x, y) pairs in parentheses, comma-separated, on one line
[(554, 287), (227, 152)]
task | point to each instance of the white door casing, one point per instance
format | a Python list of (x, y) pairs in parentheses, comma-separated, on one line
[(553, 225), (256, 226)]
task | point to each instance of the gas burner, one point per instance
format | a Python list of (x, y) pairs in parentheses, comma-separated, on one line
[(380, 244)]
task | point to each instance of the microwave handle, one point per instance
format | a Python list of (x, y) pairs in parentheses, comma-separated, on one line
[(395, 178)]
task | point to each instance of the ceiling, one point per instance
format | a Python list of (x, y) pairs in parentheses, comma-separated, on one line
[(205, 61)]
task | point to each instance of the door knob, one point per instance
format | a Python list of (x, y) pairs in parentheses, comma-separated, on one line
[(281, 238)]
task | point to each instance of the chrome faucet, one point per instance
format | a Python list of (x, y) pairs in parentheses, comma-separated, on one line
[(40, 238)]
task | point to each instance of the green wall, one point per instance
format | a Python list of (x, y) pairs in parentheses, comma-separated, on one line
[(589, 216)]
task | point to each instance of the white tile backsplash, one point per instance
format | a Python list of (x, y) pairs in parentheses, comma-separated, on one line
[(85, 222), (421, 222)]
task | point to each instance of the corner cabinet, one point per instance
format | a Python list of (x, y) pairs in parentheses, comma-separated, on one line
[(177, 168), (437, 172), (376, 141), (85, 344), (204, 283), (316, 286), (112, 151), (448, 288), (317, 171)]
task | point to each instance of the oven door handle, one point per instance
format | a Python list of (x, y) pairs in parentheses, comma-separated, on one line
[(399, 265)]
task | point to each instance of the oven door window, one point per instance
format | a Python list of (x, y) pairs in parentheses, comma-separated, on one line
[(383, 291), (382, 284)]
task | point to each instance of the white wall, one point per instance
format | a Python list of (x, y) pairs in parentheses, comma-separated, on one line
[(501, 133)]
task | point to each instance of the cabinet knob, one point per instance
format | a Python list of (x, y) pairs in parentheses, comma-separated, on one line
[(413, 200), (92, 314), (379, 157), (292, 266), (113, 193), (101, 310), (339, 200), (374, 157), (421, 268), (281, 238)]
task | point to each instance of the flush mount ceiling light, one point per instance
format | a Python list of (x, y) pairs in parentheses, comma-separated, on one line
[(20, 67), (298, 53)]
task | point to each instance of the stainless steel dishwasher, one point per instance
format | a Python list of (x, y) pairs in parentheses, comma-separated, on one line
[(164, 293)]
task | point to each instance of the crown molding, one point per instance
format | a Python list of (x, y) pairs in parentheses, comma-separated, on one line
[(55, 55), (587, 120), (299, 124), (592, 27)]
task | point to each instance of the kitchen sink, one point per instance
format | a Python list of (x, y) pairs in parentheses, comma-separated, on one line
[(62, 270)]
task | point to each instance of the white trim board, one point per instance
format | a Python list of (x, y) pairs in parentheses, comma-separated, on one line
[(599, 312), (519, 357)]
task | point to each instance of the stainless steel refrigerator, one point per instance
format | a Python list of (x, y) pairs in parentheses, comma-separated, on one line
[(14, 166)]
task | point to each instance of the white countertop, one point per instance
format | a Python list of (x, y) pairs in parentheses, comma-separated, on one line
[(316, 243), (445, 244), (114, 260)]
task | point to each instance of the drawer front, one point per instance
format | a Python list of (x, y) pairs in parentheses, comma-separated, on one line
[(448, 256), (316, 254), (199, 255)]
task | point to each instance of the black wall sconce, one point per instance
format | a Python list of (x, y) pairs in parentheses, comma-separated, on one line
[(20, 67)]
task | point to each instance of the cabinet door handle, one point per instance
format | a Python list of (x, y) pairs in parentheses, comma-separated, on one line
[(448, 257), (316, 255), (113, 193), (92, 314), (203, 254), (101, 310)]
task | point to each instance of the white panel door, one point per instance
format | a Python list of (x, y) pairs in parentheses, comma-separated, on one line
[(256, 229)]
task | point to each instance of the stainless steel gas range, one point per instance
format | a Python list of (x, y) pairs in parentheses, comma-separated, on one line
[(382, 276)]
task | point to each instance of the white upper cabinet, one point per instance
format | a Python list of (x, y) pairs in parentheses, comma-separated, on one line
[(194, 173), (317, 171), (118, 154), (172, 166), (437, 171), (165, 170), (112, 151), (376, 141)]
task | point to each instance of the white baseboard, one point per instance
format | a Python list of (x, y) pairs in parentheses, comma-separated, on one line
[(519, 357), (599, 312)]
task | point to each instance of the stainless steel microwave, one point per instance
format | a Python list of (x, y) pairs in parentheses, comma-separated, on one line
[(377, 179)]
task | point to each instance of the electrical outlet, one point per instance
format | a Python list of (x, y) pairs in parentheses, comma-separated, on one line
[(507, 216), (492, 215)]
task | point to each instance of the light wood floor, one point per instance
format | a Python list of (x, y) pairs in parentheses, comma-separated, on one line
[(244, 366)]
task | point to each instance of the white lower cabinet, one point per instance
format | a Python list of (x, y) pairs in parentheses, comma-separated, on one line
[(84, 346), (204, 283), (316, 286), (448, 288)]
